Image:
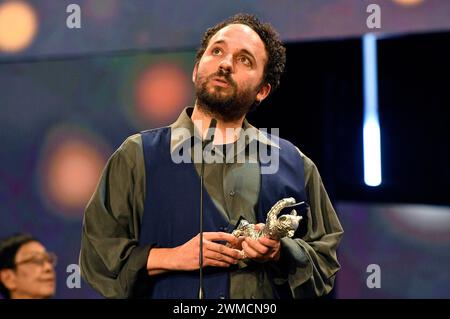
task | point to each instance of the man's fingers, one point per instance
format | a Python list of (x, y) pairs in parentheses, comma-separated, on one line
[(273, 254), (220, 236), (238, 244), (269, 242), (249, 251), (222, 249), (209, 254), (219, 255), (257, 246), (214, 263)]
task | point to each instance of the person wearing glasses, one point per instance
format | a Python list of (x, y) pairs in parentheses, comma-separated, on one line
[(26, 268)]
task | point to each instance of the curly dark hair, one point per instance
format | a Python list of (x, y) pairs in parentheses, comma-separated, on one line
[(275, 50)]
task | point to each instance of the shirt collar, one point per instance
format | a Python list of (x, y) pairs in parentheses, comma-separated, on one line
[(185, 125)]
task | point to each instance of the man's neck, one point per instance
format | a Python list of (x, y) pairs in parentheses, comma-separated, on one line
[(226, 132)]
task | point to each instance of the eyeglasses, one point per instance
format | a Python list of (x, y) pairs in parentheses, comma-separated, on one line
[(40, 260)]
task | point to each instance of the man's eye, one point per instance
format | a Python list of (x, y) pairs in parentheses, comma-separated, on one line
[(246, 61), (216, 51)]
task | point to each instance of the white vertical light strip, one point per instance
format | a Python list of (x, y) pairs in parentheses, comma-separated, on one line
[(371, 129)]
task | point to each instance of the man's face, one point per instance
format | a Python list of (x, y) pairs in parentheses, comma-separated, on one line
[(228, 78), (34, 275)]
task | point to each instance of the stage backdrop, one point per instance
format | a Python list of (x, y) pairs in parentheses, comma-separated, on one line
[(408, 246), (115, 25), (60, 121), (61, 118)]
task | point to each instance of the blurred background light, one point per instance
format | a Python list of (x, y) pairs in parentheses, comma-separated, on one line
[(421, 222), (161, 91), (408, 2), (371, 128), (71, 165), (18, 26), (410, 243)]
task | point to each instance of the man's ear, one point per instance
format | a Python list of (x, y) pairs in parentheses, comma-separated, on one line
[(194, 72), (8, 279), (263, 93)]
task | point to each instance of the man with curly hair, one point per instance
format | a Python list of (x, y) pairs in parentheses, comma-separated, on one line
[(141, 228)]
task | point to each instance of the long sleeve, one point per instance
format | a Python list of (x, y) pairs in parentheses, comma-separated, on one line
[(111, 259), (310, 263)]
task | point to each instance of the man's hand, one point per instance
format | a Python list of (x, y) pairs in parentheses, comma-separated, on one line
[(186, 256), (214, 254), (262, 250)]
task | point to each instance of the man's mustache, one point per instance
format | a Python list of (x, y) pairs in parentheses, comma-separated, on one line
[(225, 75)]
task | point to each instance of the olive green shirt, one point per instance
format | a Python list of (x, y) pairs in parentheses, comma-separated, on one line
[(111, 256)]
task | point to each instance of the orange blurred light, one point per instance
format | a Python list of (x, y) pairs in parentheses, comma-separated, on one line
[(161, 92), (408, 2), (18, 26), (71, 173)]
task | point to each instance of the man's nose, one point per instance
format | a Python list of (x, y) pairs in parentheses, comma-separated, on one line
[(226, 64), (48, 266)]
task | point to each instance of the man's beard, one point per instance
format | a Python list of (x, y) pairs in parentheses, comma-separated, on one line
[(225, 106)]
